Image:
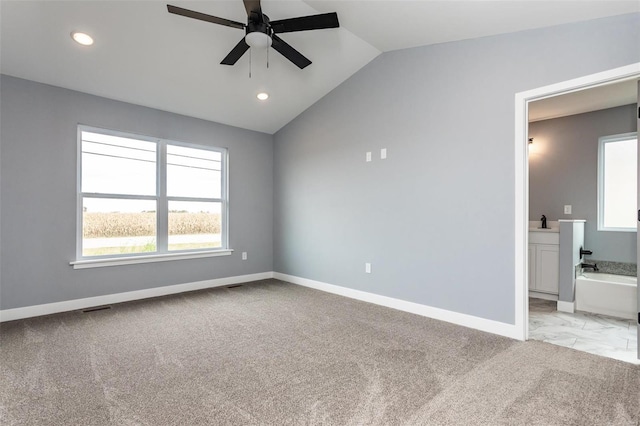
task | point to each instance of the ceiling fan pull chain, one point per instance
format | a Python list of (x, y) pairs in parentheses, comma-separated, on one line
[(250, 55), (268, 57)]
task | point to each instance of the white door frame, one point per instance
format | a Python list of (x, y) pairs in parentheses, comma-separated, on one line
[(522, 174)]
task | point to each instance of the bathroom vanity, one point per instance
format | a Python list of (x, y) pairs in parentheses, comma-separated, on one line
[(544, 262)]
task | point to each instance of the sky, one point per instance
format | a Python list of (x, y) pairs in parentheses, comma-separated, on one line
[(621, 183), (125, 166)]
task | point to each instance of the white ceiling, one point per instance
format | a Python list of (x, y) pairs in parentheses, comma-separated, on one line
[(146, 56), (392, 25), (593, 99)]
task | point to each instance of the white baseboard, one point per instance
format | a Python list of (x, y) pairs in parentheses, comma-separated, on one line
[(490, 326), (544, 296), (566, 306), (108, 299)]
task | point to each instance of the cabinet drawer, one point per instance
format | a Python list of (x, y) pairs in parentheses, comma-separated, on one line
[(544, 237)]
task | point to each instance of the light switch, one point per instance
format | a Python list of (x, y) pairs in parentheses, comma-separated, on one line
[(244, 255), (367, 268), (368, 156), (383, 153), (567, 209)]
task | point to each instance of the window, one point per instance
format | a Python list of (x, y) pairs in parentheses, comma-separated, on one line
[(141, 196), (618, 182)]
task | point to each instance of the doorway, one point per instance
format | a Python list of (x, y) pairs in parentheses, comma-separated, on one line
[(523, 99)]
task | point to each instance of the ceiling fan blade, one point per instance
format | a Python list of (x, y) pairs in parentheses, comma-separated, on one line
[(305, 23), (204, 17), (289, 52), (236, 53), (252, 6)]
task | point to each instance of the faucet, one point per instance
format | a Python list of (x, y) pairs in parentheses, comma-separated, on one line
[(588, 265), (544, 222)]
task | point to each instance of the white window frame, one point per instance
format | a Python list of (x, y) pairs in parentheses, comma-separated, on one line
[(602, 141), (162, 203)]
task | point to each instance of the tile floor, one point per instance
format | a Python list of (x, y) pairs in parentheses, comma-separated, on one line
[(597, 334)]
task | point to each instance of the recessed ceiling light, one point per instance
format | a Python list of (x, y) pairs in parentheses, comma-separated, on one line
[(262, 96), (82, 38)]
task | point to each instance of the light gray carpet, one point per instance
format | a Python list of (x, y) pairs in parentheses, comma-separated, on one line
[(278, 354)]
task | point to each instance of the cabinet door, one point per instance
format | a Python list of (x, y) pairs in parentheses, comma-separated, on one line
[(532, 267), (547, 268)]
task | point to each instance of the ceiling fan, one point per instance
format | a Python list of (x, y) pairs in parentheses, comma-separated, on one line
[(261, 32)]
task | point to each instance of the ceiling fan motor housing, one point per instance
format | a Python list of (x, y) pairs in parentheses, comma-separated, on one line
[(257, 25)]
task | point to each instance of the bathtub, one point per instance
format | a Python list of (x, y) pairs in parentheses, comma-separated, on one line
[(607, 294)]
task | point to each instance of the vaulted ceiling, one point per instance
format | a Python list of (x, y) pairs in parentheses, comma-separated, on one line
[(146, 56)]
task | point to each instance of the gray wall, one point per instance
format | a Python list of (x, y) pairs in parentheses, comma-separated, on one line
[(563, 169), (436, 219), (38, 142)]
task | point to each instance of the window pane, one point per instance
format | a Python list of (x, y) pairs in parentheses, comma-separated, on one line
[(620, 183), (116, 226), (116, 165), (193, 172), (194, 225)]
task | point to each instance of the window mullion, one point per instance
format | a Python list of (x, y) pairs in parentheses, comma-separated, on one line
[(117, 196), (163, 206), (196, 199)]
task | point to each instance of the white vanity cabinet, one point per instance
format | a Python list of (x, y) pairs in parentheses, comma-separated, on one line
[(544, 262)]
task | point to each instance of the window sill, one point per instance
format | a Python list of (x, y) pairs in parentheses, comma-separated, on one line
[(117, 261), (618, 229)]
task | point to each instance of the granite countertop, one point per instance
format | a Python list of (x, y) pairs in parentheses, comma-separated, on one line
[(552, 226)]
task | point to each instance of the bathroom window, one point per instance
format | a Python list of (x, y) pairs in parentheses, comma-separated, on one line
[(141, 196), (618, 182)]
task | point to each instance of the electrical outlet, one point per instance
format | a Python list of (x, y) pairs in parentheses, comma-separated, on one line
[(368, 156), (383, 153), (567, 209), (367, 268), (244, 255)]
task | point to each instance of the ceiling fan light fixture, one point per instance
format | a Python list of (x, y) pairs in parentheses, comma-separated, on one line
[(82, 38), (258, 39), (263, 96)]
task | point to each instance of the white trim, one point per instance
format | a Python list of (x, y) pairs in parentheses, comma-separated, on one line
[(132, 260), (225, 198), (566, 307), (503, 329), (495, 327), (521, 158), (521, 219), (72, 305)]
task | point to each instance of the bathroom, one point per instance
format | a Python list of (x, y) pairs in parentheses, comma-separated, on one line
[(594, 315)]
